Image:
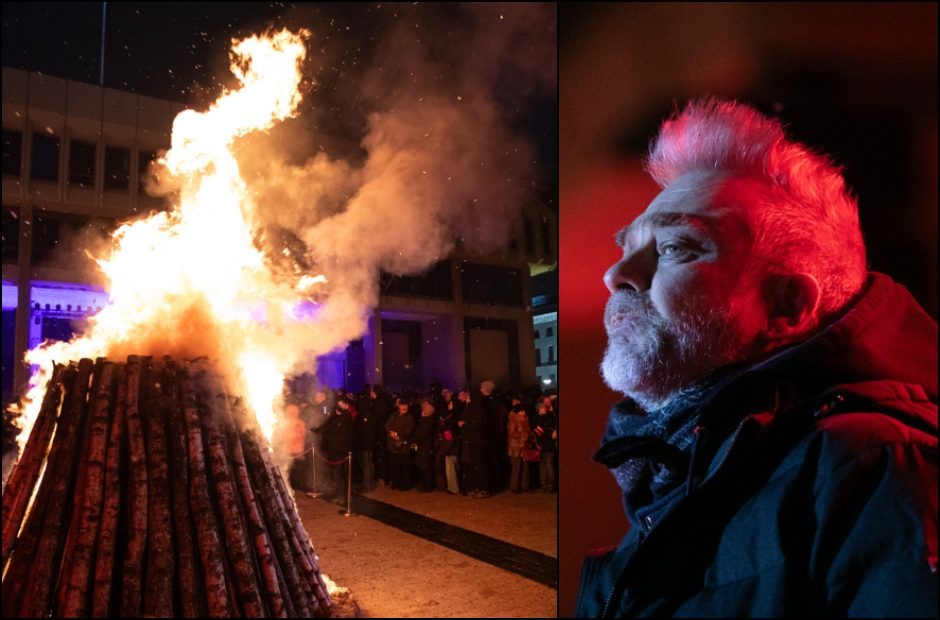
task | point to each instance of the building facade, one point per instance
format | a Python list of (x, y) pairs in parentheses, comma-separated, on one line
[(74, 161)]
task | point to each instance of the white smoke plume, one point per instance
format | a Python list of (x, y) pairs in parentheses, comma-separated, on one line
[(441, 162)]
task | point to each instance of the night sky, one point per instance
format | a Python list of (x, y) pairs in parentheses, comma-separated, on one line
[(179, 51)]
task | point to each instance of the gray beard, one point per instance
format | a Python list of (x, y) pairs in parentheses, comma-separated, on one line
[(651, 360)]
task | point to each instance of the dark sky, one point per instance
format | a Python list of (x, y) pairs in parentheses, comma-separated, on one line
[(179, 51)]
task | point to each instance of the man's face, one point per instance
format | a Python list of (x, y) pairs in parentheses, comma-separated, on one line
[(684, 296)]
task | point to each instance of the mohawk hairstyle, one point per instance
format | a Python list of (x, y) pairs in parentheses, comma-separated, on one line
[(807, 221)]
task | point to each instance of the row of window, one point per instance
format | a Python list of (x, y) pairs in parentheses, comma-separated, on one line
[(82, 162), (549, 332), (551, 356), (529, 234), (481, 284), (49, 231)]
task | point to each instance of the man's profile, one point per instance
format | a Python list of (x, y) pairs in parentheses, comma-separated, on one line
[(777, 446)]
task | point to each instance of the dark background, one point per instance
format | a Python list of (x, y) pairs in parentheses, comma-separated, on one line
[(857, 81), (179, 51)]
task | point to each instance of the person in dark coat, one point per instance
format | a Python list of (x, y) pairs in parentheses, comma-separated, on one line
[(337, 443), (448, 445), (366, 427), (423, 443), (382, 407), (777, 447), (399, 429), (494, 434), (473, 448), (545, 431)]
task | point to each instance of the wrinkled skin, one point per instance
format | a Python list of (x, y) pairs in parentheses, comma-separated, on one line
[(686, 294)]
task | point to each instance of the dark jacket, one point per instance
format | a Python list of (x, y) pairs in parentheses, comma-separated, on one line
[(542, 427), (366, 426), (423, 440), (448, 432), (382, 409), (811, 489), (473, 431), (404, 425), (337, 435)]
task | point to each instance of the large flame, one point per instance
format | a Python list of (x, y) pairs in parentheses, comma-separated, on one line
[(191, 281)]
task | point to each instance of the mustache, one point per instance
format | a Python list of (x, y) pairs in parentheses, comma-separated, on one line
[(624, 305)]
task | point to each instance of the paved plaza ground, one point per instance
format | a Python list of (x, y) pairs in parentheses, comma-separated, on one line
[(494, 557)]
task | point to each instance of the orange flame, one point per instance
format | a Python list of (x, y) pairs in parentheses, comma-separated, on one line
[(191, 281)]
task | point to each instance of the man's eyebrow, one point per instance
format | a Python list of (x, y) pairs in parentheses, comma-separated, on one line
[(666, 219)]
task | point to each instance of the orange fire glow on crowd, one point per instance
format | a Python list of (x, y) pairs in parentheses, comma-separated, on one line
[(191, 281)]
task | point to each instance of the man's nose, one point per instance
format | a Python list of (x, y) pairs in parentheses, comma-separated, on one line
[(632, 272)]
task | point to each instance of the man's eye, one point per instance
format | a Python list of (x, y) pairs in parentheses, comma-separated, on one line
[(674, 251)]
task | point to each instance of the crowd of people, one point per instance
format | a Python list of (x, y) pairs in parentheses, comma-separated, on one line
[(473, 442)]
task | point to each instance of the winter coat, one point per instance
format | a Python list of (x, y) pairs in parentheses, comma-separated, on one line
[(811, 489), (473, 418), (366, 426), (382, 410), (404, 425), (337, 435), (542, 426), (518, 429), (423, 440), (448, 432)]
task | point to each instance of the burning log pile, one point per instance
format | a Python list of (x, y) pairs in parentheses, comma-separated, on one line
[(153, 494)]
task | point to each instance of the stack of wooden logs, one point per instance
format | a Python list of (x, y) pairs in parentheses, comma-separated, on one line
[(146, 490)]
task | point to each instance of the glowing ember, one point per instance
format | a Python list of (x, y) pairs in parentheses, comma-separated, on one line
[(189, 282)]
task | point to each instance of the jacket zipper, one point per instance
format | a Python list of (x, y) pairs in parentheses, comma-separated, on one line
[(734, 440)]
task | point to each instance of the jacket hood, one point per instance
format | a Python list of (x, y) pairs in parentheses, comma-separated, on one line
[(882, 349)]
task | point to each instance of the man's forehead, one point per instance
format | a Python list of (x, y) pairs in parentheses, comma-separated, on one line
[(690, 202), (706, 224)]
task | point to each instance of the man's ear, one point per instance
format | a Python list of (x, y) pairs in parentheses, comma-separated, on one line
[(792, 306)]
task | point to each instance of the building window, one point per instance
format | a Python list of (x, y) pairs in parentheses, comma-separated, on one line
[(529, 233), (551, 355), (546, 239), (45, 164), (12, 152), (82, 163), (144, 159), (549, 332), (11, 235), (537, 334), (57, 237), (117, 166), (538, 356), (436, 283), (490, 284), (552, 377)]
